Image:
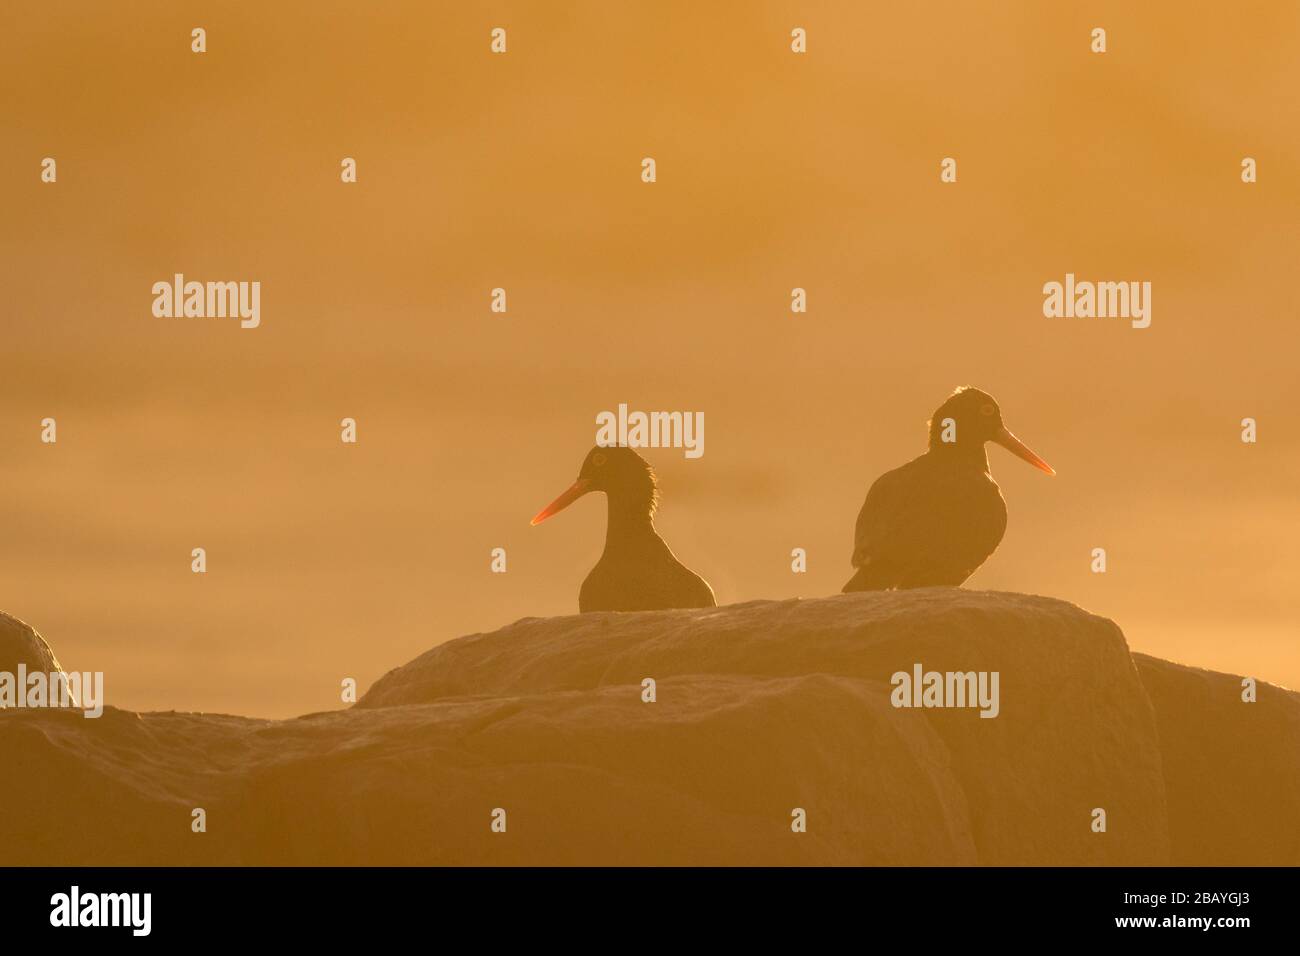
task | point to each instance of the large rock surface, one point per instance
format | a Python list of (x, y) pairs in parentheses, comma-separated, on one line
[(20, 643), (761, 708), (1232, 769)]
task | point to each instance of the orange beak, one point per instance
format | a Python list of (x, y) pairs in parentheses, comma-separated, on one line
[(574, 492), (1018, 448)]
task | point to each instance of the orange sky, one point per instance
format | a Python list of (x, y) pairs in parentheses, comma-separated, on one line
[(522, 171)]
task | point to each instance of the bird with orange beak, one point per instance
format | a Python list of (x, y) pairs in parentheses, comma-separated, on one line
[(936, 519), (637, 571)]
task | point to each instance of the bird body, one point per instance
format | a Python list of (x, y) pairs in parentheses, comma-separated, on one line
[(926, 524), (935, 520), (637, 571)]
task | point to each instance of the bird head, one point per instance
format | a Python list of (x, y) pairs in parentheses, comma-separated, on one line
[(616, 470), (972, 417)]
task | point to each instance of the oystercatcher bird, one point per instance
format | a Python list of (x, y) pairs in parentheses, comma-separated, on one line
[(934, 520), (637, 571)]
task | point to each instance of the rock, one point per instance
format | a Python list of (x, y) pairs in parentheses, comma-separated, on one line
[(1232, 769), (20, 643), (761, 710), (1075, 732), (708, 775)]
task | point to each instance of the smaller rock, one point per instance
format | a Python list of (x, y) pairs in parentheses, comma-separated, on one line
[(20, 643)]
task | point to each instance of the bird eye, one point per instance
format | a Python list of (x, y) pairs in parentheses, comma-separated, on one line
[(598, 459), (986, 409)]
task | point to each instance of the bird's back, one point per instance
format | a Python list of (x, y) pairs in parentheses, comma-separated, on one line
[(926, 523)]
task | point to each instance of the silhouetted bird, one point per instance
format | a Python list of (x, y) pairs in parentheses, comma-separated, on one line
[(637, 571), (934, 520)]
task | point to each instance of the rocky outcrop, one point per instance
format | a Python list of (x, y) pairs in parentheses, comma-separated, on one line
[(764, 714), (1232, 768), (1075, 730)]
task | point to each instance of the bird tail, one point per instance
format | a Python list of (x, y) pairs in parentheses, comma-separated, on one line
[(863, 580), (857, 583)]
